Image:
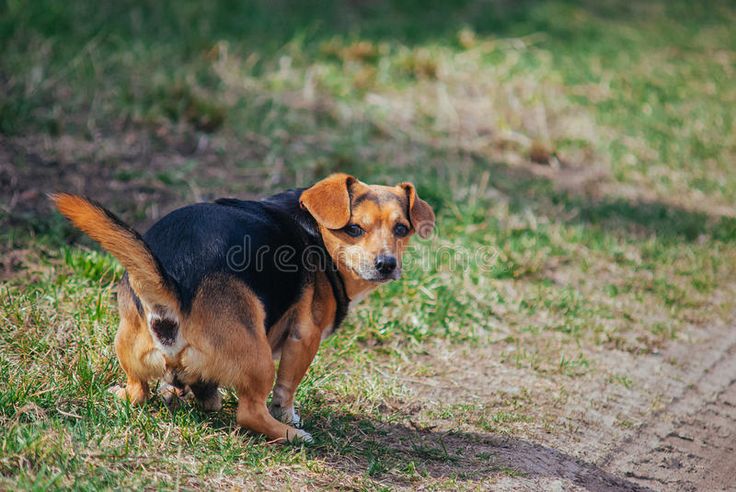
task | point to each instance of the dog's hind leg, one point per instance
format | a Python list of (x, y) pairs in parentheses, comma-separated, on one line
[(229, 346), (252, 393), (135, 350), (244, 362)]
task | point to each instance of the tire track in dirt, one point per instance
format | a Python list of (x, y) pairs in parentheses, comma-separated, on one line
[(691, 443)]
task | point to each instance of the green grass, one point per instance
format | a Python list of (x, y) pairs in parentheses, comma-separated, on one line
[(544, 268)]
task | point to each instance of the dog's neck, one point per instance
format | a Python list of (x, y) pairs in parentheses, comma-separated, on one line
[(287, 203), (355, 287)]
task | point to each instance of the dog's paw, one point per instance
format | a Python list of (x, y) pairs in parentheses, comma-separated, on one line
[(134, 394), (118, 391), (287, 415), (171, 395), (301, 436)]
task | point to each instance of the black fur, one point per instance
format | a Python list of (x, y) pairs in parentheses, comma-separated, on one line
[(248, 240), (125, 285), (165, 330), (203, 390)]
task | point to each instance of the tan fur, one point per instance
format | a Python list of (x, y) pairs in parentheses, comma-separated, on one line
[(135, 350), (315, 315), (420, 213), (329, 200), (236, 354)]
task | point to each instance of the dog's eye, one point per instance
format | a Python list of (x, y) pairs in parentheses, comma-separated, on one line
[(401, 230), (353, 230)]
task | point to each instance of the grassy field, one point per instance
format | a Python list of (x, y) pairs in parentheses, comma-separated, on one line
[(579, 156)]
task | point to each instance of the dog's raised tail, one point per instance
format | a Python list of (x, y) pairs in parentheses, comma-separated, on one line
[(145, 273)]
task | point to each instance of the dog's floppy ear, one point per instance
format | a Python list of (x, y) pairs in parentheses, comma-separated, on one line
[(421, 214), (329, 200)]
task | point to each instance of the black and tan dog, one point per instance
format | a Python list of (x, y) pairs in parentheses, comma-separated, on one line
[(214, 292)]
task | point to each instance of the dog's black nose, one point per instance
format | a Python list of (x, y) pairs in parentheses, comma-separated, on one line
[(385, 264)]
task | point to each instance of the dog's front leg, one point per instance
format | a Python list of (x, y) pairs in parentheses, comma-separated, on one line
[(296, 356)]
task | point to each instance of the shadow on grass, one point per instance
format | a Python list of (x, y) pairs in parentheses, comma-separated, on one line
[(397, 454), (610, 213)]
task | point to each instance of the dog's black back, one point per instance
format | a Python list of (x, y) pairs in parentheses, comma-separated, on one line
[(272, 245)]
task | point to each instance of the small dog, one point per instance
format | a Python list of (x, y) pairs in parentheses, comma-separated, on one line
[(215, 292)]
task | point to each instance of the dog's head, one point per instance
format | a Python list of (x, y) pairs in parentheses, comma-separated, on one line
[(366, 228)]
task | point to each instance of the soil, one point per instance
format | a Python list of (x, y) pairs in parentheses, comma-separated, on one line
[(675, 429), (139, 174), (690, 444)]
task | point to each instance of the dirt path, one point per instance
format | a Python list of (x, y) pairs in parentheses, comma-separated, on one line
[(679, 431), (691, 444)]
